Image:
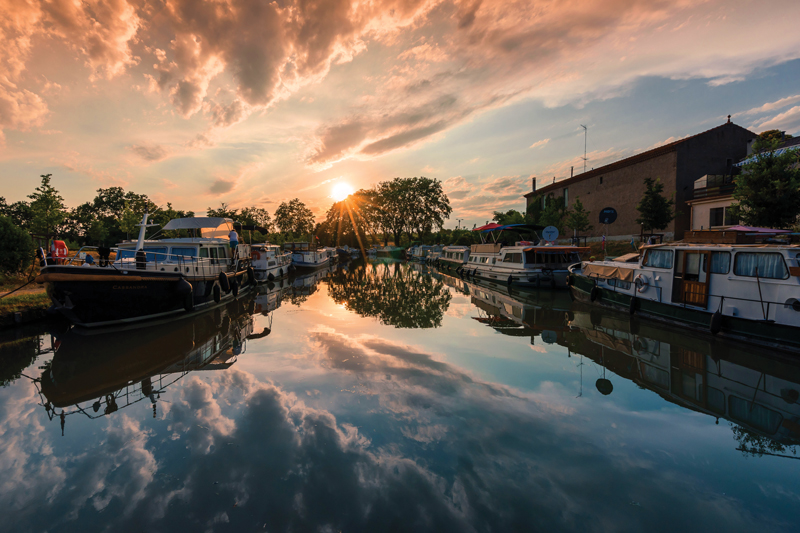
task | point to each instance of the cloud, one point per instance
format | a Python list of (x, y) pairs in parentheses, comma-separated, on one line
[(222, 186), (481, 198), (539, 144), (771, 106), (20, 109), (149, 152), (787, 121)]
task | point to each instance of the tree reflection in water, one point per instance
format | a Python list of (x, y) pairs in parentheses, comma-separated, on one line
[(395, 293)]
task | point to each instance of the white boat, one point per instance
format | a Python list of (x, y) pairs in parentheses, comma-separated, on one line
[(306, 255), (333, 254), (525, 263), (719, 281), (454, 256), (424, 251), (269, 262)]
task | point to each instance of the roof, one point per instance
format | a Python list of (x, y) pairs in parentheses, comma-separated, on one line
[(622, 163)]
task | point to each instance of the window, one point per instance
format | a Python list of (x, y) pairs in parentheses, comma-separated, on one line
[(720, 263), (203, 252), (601, 180), (716, 217), (658, 259), (512, 258), (767, 265), (618, 283), (566, 196), (183, 254)]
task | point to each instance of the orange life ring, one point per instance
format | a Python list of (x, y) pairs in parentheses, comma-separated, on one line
[(256, 256)]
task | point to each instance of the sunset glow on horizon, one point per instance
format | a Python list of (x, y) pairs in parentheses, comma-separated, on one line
[(251, 103), (341, 191)]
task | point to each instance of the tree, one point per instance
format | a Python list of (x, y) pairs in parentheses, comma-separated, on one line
[(767, 192), (224, 211), (294, 217), (256, 216), (655, 211), (128, 222), (16, 247), (97, 233), (428, 205), (578, 218), (511, 216), (47, 208), (773, 135), (553, 213)]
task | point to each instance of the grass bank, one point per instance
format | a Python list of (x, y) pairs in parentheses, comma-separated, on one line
[(24, 302)]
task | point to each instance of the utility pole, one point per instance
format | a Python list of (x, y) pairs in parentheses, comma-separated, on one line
[(459, 222), (585, 134)]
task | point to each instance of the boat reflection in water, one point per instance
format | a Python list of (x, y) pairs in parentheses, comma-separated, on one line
[(398, 294), (758, 393), (515, 312), (97, 374)]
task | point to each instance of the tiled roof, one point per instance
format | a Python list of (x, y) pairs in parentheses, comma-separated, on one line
[(622, 163)]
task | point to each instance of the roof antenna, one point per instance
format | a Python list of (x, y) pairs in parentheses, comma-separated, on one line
[(585, 133)]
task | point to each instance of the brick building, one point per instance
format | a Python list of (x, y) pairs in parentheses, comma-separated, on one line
[(678, 165)]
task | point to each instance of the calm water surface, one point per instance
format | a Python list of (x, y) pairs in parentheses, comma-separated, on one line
[(390, 397)]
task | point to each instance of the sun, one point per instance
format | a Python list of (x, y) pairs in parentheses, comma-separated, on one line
[(341, 191)]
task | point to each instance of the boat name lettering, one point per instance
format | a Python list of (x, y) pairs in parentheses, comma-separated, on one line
[(125, 287)]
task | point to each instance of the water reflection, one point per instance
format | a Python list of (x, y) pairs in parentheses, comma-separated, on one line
[(758, 394), (399, 294), (320, 420), (95, 374)]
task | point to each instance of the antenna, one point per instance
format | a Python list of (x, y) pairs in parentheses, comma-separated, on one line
[(585, 134)]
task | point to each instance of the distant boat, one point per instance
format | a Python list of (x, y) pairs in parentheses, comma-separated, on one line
[(390, 252), (307, 256), (147, 279), (454, 256)]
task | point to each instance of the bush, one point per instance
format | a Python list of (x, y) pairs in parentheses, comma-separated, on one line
[(16, 247)]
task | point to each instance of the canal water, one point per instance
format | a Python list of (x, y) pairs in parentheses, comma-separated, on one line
[(393, 397)]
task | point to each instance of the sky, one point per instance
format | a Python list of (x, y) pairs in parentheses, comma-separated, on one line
[(253, 103)]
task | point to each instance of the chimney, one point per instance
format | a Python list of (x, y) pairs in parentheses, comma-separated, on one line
[(729, 119), (570, 171), (533, 184)]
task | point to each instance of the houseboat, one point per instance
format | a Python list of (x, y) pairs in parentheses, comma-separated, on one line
[(721, 282), (525, 263), (269, 262), (454, 257), (147, 279), (307, 256), (423, 251)]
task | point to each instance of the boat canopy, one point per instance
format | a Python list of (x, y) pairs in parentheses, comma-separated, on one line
[(599, 270), (210, 227)]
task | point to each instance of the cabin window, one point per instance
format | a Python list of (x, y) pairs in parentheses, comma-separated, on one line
[(768, 265), (512, 258), (203, 252), (183, 254), (658, 259), (720, 263), (754, 415), (654, 375), (715, 400), (618, 283)]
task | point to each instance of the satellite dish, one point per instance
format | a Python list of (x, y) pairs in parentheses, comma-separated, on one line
[(608, 215), (550, 233), (604, 386)]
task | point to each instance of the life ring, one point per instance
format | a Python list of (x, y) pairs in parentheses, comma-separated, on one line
[(256, 256), (641, 283)]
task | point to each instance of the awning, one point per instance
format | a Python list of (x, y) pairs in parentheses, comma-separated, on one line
[(751, 229), (598, 270), (777, 152), (512, 227), (209, 226)]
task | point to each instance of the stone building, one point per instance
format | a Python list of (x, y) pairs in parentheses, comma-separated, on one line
[(678, 165)]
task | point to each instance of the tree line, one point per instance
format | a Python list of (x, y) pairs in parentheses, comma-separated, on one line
[(410, 207)]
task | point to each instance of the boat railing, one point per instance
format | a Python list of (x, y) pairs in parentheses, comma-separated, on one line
[(150, 260)]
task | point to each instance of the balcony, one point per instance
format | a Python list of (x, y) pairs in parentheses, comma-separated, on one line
[(710, 186)]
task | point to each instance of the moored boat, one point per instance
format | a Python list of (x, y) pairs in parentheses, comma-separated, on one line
[(526, 263), (454, 256), (307, 255), (269, 262), (147, 279), (390, 252), (720, 282)]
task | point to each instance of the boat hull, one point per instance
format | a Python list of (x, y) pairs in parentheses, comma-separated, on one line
[(101, 297), (763, 333)]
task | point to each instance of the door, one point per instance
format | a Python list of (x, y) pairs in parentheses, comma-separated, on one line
[(695, 278)]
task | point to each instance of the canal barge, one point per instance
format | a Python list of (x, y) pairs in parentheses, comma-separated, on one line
[(716, 281), (269, 262), (147, 279), (454, 257), (525, 264)]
